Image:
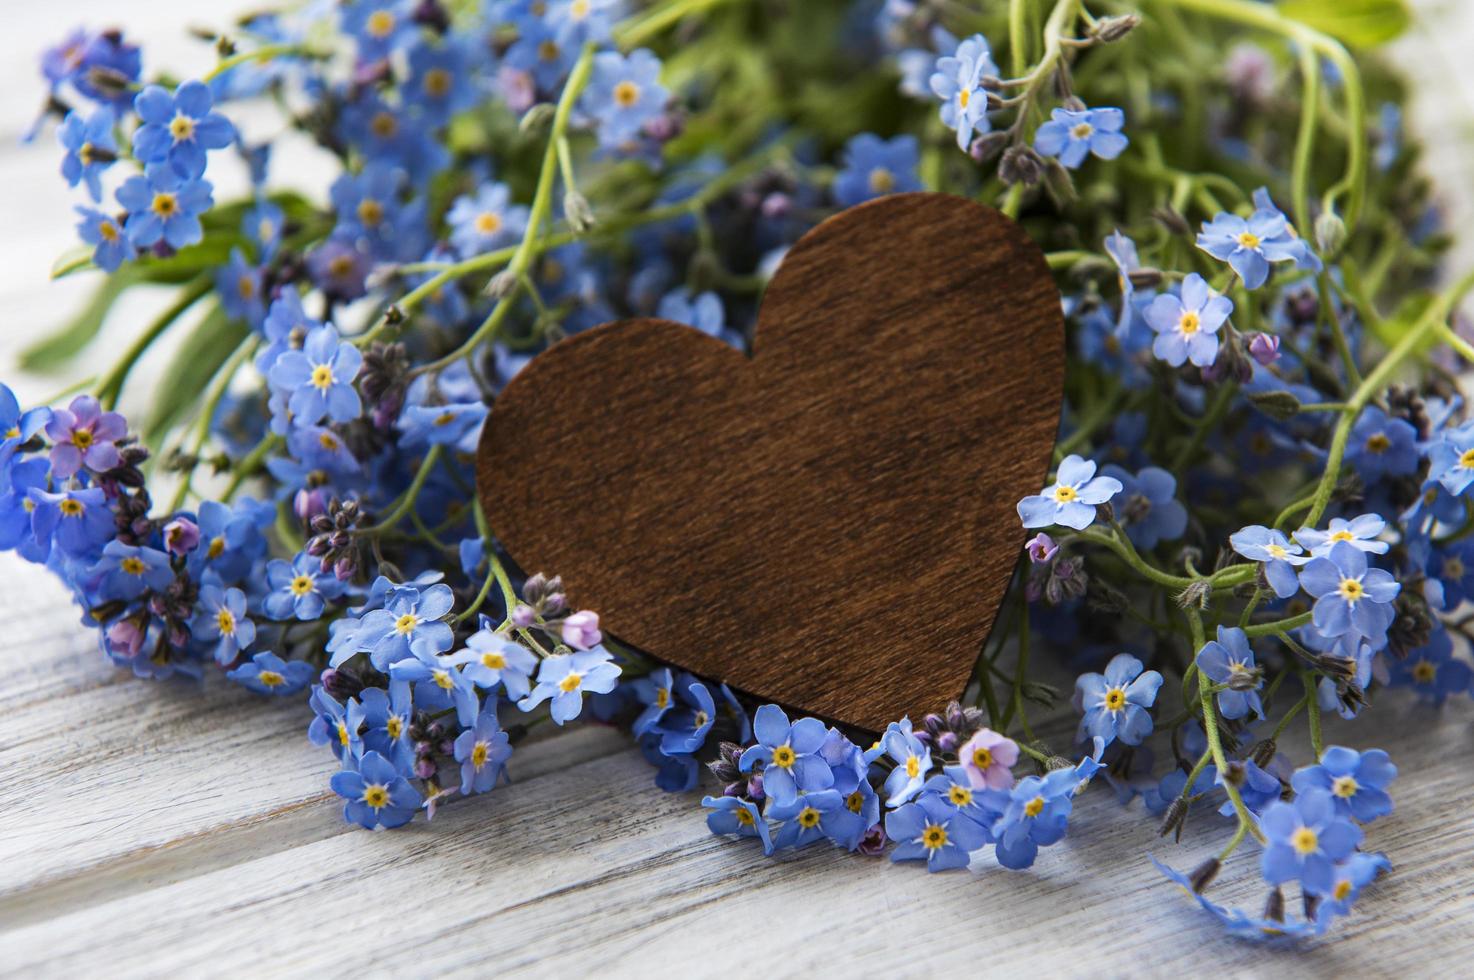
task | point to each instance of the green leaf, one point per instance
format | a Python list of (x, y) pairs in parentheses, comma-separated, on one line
[(200, 355), (74, 259), (1359, 23), (56, 350)]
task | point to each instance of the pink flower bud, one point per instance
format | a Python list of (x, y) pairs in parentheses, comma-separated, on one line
[(581, 630), (1041, 548), (1265, 348), (181, 536)]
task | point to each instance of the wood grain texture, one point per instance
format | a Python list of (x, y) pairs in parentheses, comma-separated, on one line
[(160, 829), (829, 525)]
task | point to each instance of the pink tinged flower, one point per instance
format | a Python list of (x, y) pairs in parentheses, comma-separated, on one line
[(988, 759), (1265, 348), (84, 434), (1041, 548), (581, 630), (181, 536), (125, 638)]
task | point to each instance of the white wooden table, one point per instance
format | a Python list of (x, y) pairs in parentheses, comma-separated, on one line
[(149, 828)]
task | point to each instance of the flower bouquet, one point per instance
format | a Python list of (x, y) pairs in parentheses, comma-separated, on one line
[(1261, 510)]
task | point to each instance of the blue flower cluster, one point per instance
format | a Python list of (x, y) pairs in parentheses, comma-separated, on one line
[(946, 790)]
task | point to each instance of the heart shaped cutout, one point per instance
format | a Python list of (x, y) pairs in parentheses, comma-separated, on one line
[(829, 525)]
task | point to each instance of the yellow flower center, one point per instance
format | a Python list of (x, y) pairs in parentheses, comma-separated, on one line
[(662, 697), (882, 181), (1082, 131), (1063, 494), (1453, 567), (1466, 459), (808, 817), (934, 836), (225, 619), (380, 24), (341, 265), (181, 127), (71, 507), (82, 438), (913, 766), (959, 795), (342, 734), (784, 756), (1378, 443), (444, 419), (1248, 239), (743, 816), (479, 752), (1189, 324), (548, 51), (322, 377), (1342, 890), (1342, 535), (108, 231), (1424, 671), (579, 9), (1350, 589), (700, 719), (982, 758), (571, 682), (164, 204), (1345, 787), (131, 565), (1034, 807), (964, 97), (855, 802), (1277, 551), (442, 679), (384, 125), (271, 678), (216, 547), (1305, 841), (405, 625), (626, 94), (376, 795), (1115, 699), (246, 287), (437, 82), (394, 726), (370, 212), (493, 661), (488, 222)]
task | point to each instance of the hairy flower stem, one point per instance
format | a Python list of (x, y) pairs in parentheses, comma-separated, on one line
[(1432, 320), (1210, 729)]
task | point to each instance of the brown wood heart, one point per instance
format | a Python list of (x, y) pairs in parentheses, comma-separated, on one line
[(829, 525)]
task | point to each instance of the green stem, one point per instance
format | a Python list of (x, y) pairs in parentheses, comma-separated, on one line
[(1215, 741), (1278, 625), (1312, 712), (264, 53), (408, 498), (249, 464), (1432, 320)]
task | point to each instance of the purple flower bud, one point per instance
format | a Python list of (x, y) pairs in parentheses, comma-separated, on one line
[(947, 741), (523, 615), (873, 843), (308, 504), (776, 205), (344, 567), (125, 637), (1265, 348), (1041, 548), (755, 787), (581, 630), (181, 536), (424, 768)]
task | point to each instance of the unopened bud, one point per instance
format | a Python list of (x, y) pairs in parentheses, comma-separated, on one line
[(535, 118), (1202, 876), (988, 146), (1330, 233), (1145, 278), (576, 209), (1278, 405), (1020, 165), (1112, 29), (1172, 220)]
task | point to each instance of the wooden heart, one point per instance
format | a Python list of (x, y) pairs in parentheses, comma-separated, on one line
[(829, 525)]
